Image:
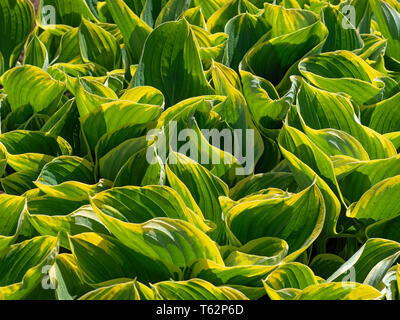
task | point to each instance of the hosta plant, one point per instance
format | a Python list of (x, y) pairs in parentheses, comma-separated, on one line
[(200, 149)]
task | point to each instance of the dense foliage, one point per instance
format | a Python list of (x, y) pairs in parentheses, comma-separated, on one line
[(85, 215)]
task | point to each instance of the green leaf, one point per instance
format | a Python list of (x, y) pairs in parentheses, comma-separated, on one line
[(370, 263), (172, 10), (356, 177), (98, 46), (103, 259), (170, 241), (22, 266), (133, 29), (285, 51), (284, 21), (80, 221), (141, 204), (248, 276), (252, 184), (204, 187), (11, 215), (303, 148), (285, 282), (31, 85), (343, 71), (385, 115), (179, 73), (322, 109), (36, 54), (68, 278), (64, 13), (195, 289), (131, 290), (338, 291), (217, 21), (377, 203), (304, 177), (282, 218), (114, 115), (244, 31), (388, 20), (17, 22), (90, 95), (66, 168), (339, 38)]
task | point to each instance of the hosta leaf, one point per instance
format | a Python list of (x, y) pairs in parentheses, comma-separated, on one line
[(303, 148), (211, 46), (68, 278), (356, 177), (249, 276), (164, 239), (180, 68), (267, 109), (11, 209), (209, 6), (244, 31), (131, 290), (145, 95), (385, 115), (388, 20), (285, 50), (195, 17), (204, 187), (339, 38), (336, 142), (62, 12), (31, 150), (343, 71), (133, 29), (17, 19), (102, 258), (141, 204), (66, 168), (72, 190), (370, 263), (217, 21), (252, 184), (36, 54), (90, 95), (172, 10), (282, 218), (285, 282), (31, 85), (18, 183), (80, 221), (266, 251), (387, 228), (54, 206), (111, 163), (137, 171), (234, 111), (98, 45), (376, 204), (339, 291), (114, 115), (22, 265), (285, 21), (304, 177), (322, 109), (195, 289), (325, 264)]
